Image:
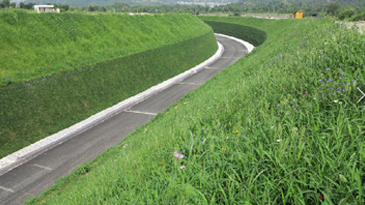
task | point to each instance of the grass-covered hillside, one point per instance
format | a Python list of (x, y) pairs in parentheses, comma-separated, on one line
[(35, 45), (281, 126), (59, 69)]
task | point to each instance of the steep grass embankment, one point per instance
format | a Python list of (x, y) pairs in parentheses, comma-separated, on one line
[(250, 34), (37, 108), (36, 45), (281, 126)]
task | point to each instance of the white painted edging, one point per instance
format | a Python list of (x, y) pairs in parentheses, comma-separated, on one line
[(17, 158), (248, 45)]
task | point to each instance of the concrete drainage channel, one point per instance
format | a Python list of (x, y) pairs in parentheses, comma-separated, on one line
[(11, 166)]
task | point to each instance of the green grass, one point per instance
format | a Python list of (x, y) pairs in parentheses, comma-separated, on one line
[(243, 141), (37, 108), (250, 34), (35, 45)]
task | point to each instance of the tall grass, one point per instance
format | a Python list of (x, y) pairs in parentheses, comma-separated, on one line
[(264, 131), (36, 45)]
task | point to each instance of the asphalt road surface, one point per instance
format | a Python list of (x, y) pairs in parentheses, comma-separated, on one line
[(38, 174)]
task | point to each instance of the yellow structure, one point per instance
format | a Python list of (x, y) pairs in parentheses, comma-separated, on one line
[(298, 14)]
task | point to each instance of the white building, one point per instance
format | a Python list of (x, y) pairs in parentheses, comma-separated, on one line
[(45, 8)]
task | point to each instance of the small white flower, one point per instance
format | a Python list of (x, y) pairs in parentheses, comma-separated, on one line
[(339, 102), (278, 140), (335, 101)]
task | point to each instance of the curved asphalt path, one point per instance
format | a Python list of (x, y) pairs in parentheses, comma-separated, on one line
[(39, 173)]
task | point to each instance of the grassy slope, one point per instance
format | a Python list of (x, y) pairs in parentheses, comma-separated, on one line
[(40, 107), (257, 133), (35, 45)]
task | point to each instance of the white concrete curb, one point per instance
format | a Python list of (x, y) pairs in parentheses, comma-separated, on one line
[(249, 46), (17, 158)]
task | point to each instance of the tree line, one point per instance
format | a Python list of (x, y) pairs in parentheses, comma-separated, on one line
[(340, 11)]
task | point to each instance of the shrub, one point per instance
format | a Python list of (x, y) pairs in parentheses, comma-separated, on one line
[(344, 12), (359, 17)]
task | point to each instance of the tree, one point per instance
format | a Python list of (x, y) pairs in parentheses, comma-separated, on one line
[(332, 8), (5, 4), (29, 5)]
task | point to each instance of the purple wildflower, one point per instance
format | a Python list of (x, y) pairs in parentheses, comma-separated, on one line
[(341, 73), (323, 84), (296, 105), (340, 69), (320, 80), (321, 74), (327, 69), (180, 156), (291, 101), (278, 105)]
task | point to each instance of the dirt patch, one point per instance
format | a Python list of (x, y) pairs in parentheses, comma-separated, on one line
[(359, 25)]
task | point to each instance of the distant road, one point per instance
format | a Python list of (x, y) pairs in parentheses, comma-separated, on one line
[(38, 174), (261, 16)]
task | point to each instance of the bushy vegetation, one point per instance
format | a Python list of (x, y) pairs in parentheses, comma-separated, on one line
[(281, 126), (344, 12), (341, 9), (37, 108), (36, 45), (358, 17)]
